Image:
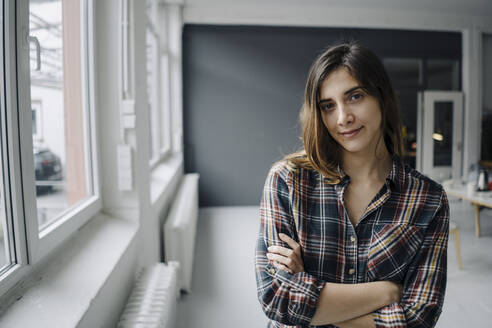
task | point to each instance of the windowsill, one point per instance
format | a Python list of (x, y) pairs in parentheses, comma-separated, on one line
[(164, 175), (62, 292)]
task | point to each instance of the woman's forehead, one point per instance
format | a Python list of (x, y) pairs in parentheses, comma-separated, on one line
[(337, 83)]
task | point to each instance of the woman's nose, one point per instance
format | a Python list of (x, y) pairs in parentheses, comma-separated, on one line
[(345, 116)]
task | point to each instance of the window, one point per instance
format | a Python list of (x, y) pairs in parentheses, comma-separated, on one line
[(62, 159), (158, 85), (50, 184)]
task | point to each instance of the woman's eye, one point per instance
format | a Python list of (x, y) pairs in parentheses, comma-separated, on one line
[(356, 96), (326, 106)]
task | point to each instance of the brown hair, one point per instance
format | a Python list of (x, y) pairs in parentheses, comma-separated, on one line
[(321, 152)]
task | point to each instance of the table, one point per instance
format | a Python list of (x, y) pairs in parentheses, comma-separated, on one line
[(479, 199)]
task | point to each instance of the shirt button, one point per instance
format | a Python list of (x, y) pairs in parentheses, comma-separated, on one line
[(272, 271), (352, 238), (351, 271)]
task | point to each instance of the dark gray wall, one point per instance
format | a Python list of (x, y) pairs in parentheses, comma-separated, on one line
[(243, 88)]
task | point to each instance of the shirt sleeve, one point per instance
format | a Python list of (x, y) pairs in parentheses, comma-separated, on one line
[(425, 283), (290, 299)]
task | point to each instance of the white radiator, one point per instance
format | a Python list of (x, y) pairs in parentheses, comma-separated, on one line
[(180, 229), (153, 300)]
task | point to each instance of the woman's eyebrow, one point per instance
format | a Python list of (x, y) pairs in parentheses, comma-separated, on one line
[(345, 93)]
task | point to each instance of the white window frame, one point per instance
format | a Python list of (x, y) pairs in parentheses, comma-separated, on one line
[(153, 100), (165, 62), (10, 274), (162, 128), (32, 245)]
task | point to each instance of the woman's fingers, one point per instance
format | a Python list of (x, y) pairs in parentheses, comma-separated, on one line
[(291, 242), (289, 259), (282, 267), (284, 250), (280, 250), (280, 259)]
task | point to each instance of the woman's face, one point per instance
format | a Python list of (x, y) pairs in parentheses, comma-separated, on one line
[(351, 115)]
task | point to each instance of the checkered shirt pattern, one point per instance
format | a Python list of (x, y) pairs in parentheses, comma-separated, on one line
[(401, 237)]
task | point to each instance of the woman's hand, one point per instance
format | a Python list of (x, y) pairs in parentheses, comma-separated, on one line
[(286, 259)]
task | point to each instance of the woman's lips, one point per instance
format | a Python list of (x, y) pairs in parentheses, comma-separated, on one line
[(351, 133)]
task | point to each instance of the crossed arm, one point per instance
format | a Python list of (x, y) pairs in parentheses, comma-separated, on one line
[(346, 305)]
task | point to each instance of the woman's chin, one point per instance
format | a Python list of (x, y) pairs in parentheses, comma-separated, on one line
[(351, 148)]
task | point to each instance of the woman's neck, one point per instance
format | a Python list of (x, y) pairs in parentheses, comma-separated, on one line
[(367, 168)]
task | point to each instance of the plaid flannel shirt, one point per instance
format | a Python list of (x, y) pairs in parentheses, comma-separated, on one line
[(401, 237)]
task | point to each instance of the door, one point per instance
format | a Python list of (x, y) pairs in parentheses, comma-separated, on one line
[(440, 133)]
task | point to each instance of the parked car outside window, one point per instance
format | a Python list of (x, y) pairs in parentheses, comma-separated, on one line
[(48, 169)]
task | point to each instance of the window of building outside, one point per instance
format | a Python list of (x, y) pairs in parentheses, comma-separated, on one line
[(37, 128), (62, 163)]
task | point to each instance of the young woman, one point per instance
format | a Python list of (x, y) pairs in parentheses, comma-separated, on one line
[(349, 235)]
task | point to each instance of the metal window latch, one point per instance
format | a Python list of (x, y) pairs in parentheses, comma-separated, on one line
[(33, 39)]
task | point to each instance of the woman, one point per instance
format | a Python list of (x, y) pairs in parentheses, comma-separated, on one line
[(349, 235)]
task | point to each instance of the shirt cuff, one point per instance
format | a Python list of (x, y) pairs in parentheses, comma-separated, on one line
[(304, 291)]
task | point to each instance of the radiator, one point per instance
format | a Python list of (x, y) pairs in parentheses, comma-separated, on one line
[(180, 229), (153, 300)]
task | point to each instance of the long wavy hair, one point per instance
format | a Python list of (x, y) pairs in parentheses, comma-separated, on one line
[(321, 152)]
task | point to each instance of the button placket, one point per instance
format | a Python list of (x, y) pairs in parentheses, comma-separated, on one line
[(351, 241), (353, 256)]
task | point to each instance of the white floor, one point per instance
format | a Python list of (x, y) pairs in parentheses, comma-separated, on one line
[(224, 288)]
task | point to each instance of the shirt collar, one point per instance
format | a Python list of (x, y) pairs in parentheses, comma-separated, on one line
[(396, 177)]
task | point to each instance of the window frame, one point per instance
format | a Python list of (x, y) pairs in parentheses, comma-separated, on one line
[(41, 243), (153, 98), (31, 245), (165, 79), (10, 274), (159, 27)]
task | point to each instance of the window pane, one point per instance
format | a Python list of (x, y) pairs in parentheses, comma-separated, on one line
[(443, 133), (61, 161)]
